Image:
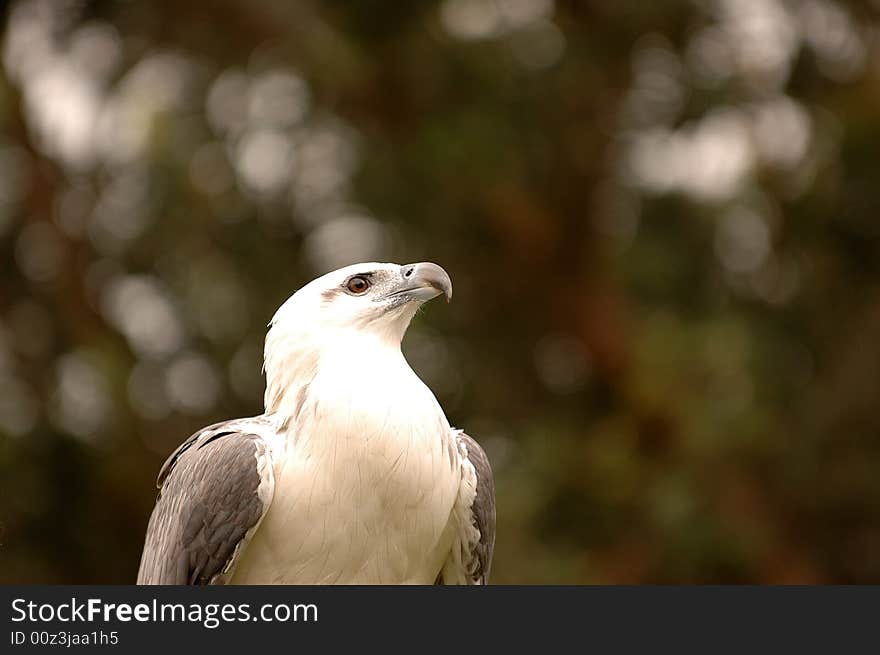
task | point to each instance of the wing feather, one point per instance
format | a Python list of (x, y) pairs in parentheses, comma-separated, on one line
[(483, 508), (213, 492), (470, 561)]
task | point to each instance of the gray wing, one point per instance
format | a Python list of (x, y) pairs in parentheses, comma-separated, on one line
[(213, 492), (482, 512), (471, 558)]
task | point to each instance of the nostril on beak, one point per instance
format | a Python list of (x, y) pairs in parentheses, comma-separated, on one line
[(425, 280)]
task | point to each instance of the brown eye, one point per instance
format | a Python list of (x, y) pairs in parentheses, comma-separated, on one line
[(357, 284)]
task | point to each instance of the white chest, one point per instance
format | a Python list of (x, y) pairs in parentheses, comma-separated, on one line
[(365, 487)]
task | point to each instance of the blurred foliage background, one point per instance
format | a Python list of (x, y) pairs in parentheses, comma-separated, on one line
[(662, 220)]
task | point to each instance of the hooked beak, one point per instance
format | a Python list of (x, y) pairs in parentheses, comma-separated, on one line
[(424, 281)]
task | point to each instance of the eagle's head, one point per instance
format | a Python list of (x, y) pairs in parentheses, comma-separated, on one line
[(362, 303), (370, 297)]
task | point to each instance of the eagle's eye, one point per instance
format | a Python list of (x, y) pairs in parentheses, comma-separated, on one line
[(358, 284)]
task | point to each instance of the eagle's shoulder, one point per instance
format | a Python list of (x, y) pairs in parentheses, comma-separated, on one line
[(470, 561), (213, 492)]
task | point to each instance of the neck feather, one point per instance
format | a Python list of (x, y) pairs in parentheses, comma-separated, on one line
[(292, 361)]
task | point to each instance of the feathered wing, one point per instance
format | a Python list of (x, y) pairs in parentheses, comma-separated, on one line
[(470, 561), (213, 492)]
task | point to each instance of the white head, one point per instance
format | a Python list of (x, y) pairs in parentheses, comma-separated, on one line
[(369, 300)]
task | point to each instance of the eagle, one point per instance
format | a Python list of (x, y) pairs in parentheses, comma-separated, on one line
[(352, 475)]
